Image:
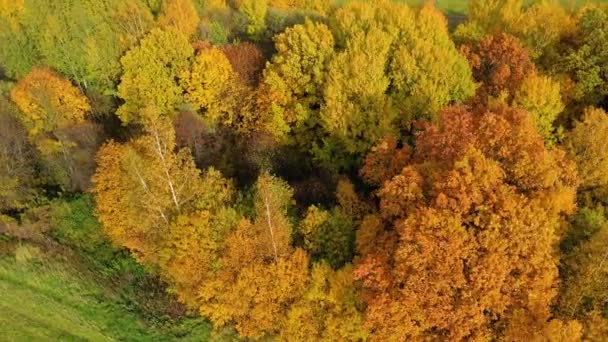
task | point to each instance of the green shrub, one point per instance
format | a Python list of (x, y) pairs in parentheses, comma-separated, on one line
[(583, 225), (74, 224)]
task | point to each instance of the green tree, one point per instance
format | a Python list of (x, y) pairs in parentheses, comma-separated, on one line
[(586, 61), (328, 235), (426, 70), (63, 36), (356, 112), (254, 14), (294, 79), (19, 52)]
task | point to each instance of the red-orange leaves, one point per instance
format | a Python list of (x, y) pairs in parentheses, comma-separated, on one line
[(384, 161), (500, 63)]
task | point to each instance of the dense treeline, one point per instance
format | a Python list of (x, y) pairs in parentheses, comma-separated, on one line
[(306, 171)]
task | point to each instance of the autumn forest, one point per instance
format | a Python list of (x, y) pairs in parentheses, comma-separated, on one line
[(304, 170)]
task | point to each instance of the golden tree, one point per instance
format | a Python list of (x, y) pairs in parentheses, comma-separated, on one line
[(142, 186), (180, 14), (48, 102)]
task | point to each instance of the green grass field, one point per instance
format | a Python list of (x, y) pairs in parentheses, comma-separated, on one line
[(45, 298)]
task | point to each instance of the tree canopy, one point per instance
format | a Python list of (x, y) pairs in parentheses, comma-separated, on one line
[(309, 170)]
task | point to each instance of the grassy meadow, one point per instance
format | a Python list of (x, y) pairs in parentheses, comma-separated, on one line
[(50, 297)]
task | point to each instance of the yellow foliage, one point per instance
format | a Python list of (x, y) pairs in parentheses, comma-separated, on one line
[(180, 14), (539, 26), (294, 79), (207, 84), (150, 71), (48, 102), (256, 298), (587, 145), (540, 96), (356, 111), (328, 311), (141, 187)]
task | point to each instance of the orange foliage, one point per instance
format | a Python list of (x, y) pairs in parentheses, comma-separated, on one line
[(467, 231), (384, 161)]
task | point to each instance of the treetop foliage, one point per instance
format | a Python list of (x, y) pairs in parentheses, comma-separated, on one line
[(307, 170)]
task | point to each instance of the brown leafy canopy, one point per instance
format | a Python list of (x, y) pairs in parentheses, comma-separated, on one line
[(500, 63), (384, 161), (247, 61), (17, 176)]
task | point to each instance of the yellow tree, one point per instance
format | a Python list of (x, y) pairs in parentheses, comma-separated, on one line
[(180, 14), (48, 102), (540, 26), (414, 71), (191, 252), (208, 85), (149, 84), (140, 187), (586, 144), (261, 273), (54, 111), (328, 310)]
